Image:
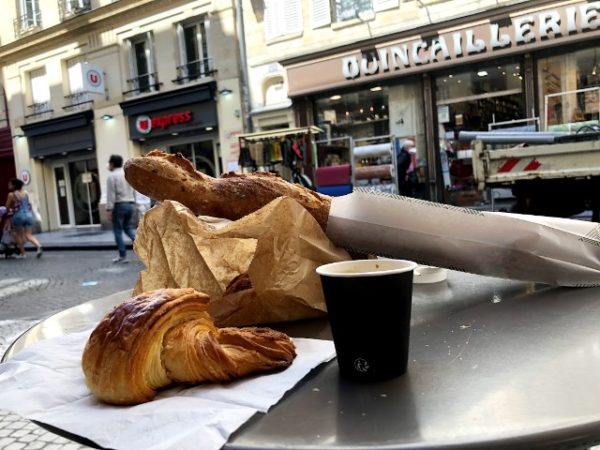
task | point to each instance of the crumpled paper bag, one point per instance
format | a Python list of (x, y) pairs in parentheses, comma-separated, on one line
[(258, 269)]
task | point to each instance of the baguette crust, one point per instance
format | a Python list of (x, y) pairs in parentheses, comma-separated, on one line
[(164, 176)]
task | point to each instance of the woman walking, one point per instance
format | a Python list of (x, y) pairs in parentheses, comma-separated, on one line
[(19, 206)]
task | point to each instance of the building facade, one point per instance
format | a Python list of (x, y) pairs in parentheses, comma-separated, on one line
[(85, 79), (377, 70), (7, 157)]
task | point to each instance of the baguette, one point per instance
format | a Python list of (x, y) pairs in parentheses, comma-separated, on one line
[(164, 176)]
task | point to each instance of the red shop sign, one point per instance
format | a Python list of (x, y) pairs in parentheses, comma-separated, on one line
[(145, 124)]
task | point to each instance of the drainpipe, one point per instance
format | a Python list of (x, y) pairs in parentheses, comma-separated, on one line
[(239, 23)]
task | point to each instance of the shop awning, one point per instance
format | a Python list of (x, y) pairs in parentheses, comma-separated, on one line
[(61, 135), (281, 133), (197, 93)]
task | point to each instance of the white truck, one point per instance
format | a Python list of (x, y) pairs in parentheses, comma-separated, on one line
[(549, 173)]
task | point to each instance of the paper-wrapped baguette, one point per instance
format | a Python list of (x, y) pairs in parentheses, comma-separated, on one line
[(164, 176)]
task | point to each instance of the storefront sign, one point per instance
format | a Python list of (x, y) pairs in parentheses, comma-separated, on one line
[(86, 177), (93, 78), (26, 177), (198, 116), (144, 124), (515, 34)]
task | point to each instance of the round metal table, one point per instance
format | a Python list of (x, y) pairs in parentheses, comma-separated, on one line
[(493, 364)]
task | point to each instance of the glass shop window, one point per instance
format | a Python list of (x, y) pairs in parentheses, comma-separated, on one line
[(358, 114), (472, 101), (569, 90)]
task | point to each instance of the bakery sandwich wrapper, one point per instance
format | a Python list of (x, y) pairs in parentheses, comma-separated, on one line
[(550, 250)]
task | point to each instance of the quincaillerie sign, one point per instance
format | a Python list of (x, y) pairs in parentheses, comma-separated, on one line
[(516, 33)]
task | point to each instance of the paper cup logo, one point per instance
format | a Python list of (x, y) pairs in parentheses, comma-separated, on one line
[(361, 365), (143, 124)]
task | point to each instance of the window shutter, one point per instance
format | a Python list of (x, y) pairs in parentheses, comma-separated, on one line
[(321, 13), (282, 17), (271, 19), (181, 40), (131, 59), (150, 56), (292, 16), (382, 5)]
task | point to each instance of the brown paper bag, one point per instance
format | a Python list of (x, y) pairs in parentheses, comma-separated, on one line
[(259, 269)]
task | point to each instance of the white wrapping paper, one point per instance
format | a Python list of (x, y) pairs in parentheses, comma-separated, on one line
[(45, 383), (543, 249)]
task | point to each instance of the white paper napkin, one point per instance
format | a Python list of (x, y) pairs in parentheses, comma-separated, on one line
[(45, 383)]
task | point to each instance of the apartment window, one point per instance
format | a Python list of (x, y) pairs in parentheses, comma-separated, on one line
[(70, 8), (40, 92), (30, 16), (325, 12), (193, 50), (77, 97), (282, 18), (141, 62)]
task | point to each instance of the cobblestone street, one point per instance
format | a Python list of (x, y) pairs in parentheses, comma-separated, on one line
[(31, 290)]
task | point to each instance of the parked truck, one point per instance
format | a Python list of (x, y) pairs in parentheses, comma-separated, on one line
[(552, 174)]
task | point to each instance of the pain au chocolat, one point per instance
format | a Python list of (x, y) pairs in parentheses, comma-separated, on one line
[(163, 337)]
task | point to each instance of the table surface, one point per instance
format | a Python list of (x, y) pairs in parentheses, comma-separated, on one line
[(493, 364)]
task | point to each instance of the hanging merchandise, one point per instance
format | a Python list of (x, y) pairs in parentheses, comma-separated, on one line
[(288, 152)]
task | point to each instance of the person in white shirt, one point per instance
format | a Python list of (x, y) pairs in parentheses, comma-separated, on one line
[(120, 205)]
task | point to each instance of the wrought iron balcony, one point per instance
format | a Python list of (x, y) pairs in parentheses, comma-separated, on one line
[(70, 8), (193, 70), (39, 111), (27, 23), (147, 82), (78, 101)]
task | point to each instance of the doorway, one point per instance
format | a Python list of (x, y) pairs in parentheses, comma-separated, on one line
[(201, 154), (77, 192)]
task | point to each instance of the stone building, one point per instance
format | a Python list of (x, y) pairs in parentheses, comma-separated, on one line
[(88, 78), (422, 70)]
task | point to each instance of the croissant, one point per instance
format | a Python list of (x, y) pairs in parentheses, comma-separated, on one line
[(166, 336), (164, 176)]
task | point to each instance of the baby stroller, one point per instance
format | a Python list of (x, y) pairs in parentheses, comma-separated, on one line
[(8, 244)]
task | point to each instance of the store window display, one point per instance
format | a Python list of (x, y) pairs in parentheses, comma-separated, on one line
[(359, 114), (201, 154), (569, 90), (472, 101)]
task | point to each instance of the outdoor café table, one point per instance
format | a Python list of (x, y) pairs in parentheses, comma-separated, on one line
[(493, 364)]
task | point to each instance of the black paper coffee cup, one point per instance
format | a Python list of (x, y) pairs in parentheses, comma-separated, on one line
[(369, 305)]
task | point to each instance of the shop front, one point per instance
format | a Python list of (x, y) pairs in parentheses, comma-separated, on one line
[(66, 150), (182, 121), (510, 67)]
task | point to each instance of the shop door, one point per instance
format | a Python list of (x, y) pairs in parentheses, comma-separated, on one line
[(85, 191), (62, 195), (202, 155)]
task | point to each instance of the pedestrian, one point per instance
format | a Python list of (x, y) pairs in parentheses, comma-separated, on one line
[(404, 164), (19, 209), (120, 205)]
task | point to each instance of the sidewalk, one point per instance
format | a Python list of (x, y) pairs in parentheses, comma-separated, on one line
[(80, 239), (17, 433)]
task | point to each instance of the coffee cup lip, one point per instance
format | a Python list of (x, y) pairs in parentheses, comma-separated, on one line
[(386, 267)]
